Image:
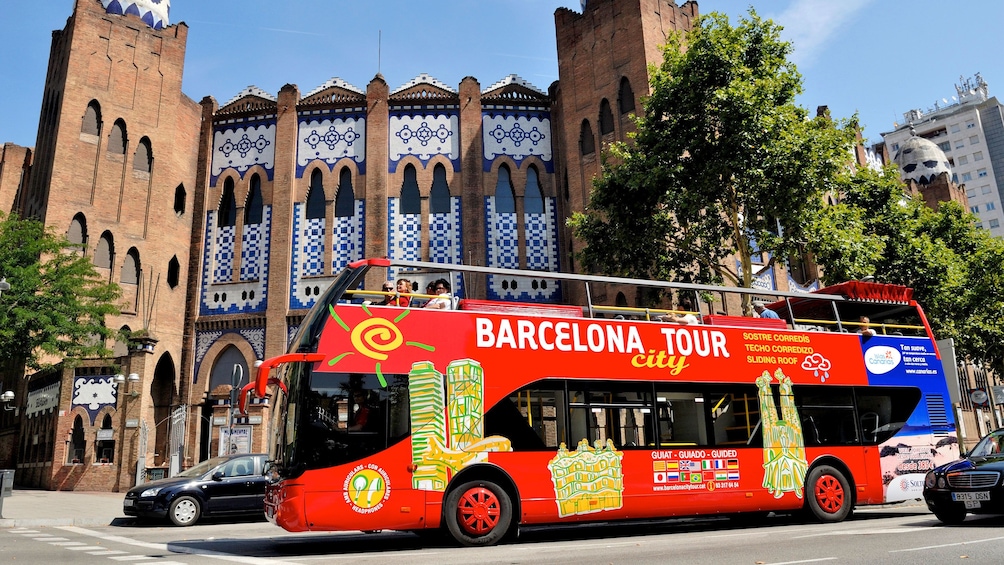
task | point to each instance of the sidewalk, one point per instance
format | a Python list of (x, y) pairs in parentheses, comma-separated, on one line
[(32, 508)]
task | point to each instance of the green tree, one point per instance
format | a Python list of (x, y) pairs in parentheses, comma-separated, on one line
[(953, 266), (722, 159), (57, 302)]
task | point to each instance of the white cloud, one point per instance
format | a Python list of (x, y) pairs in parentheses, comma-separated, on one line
[(809, 24)]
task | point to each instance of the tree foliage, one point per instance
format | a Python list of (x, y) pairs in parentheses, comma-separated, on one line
[(57, 302), (722, 158), (953, 266)]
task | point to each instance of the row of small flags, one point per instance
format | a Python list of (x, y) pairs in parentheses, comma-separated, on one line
[(696, 471)]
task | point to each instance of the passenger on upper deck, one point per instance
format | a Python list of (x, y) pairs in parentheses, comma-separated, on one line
[(443, 300), (761, 309), (863, 329), (687, 317)]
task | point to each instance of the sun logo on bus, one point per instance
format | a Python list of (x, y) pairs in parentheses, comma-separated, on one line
[(375, 338)]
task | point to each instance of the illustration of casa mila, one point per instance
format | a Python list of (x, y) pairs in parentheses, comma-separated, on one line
[(587, 480), (428, 425), (465, 383)]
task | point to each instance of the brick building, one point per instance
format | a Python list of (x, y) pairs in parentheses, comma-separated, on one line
[(224, 222)]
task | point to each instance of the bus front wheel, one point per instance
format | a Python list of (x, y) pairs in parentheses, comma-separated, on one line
[(478, 513), (828, 494)]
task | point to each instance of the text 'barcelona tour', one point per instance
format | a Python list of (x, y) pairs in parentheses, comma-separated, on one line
[(598, 338)]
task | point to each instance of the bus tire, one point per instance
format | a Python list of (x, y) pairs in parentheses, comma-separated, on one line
[(478, 513), (950, 514), (828, 494)]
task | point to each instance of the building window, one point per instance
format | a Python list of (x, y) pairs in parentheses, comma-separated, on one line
[(142, 160), (228, 205), (995, 223), (985, 189), (105, 252), (960, 144), (978, 225), (77, 233), (945, 146), (974, 139), (586, 143), (974, 209), (117, 139), (92, 119), (978, 156), (533, 200), (75, 453), (179, 199), (966, 177), (981, 173), (991, 206), (955, 128), (345, 198), (439, 195), (606, 117), (505, 200), (105, 448), (315, 196), (173, 272), (253, 207), (895, 147), (130, 267), (625, 96), (411, 202), (970, 124), (970, 193), (963, 160)]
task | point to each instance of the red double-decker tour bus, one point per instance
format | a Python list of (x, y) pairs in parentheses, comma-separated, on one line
[(482, 417)]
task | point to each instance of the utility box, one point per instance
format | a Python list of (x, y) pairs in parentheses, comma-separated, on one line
[(7, 476)]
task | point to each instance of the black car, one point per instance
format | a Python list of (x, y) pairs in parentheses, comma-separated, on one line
[(971, 484), (222, 486)]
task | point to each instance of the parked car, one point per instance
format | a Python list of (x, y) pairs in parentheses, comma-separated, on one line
[(228, 485), (971, 484)]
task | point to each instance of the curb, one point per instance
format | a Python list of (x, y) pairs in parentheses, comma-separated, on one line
[(52, 522)]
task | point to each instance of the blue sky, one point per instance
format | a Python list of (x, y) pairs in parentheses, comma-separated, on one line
[(879, 58)]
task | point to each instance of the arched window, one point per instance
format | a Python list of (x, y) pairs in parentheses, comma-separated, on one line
[(77, 233), (121, 347), (439, 197), (411, 202), (533, 200), (75, 454), (223, 369), (117, 139), (253, 207), (621, 300), (173, 272), (91, 124), (315, 196), (228, 205), (587, 145), (606, 118), (131, 267), (625, 96), (105, 253), (179, 199), (345, 200), (143, 159), (105, 452), (505, 199)]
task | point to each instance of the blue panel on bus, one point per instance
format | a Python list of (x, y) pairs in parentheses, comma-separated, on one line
[(911, 361)]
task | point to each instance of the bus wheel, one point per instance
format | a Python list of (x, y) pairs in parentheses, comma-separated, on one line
[(950, 514), (478, 513), (829, 494)]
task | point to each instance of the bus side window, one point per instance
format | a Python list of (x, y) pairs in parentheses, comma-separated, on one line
[(735, 416), (532, 419), (621, 412), (681, 418), (883, 411), (826, 415)]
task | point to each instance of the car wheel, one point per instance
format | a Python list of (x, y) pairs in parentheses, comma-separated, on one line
[(950, 514), (184, 511), (828, 494), (478, 513)]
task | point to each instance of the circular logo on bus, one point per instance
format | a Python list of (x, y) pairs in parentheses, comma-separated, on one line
[(366, 488)]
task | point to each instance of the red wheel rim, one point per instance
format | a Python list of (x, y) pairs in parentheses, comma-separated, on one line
[(829, 494), (478, 511)]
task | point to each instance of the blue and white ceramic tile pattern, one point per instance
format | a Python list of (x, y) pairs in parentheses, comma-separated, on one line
[(347, 243), (242, 146), (503, 251), (404, 233), (223, 254), (347, 246), (94, 393), (446, 235), (517, 135), (312, 247), (254, 247), (330, 138), (205, 339), (793, 286), (424, 134), (154, 13), (219, 295)]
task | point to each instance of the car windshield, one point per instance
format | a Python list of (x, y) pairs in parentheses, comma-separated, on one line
[(992, 444), (201, 468)]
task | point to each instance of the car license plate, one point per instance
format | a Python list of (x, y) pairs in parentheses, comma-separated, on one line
[(971, 496), (128, 502)]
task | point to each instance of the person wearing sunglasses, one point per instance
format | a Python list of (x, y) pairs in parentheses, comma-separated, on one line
[(443, 299), (403, 287)]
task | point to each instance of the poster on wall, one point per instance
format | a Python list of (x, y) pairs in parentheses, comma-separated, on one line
[(235, 440)]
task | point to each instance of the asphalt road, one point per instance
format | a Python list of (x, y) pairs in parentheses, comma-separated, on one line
[(885, 535)]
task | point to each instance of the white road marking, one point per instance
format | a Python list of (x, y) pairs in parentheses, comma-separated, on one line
[(946, 545), (131, 557), (805, 561), (24, 531), (357, 556), (866, 531), (106, 552), (51, 539), (67, 543), (87, 548)]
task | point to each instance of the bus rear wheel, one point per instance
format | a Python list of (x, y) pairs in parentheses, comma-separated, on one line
[(829, 494), (478, 513)]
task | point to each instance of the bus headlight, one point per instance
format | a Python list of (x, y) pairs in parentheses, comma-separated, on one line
[(929, 480)]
